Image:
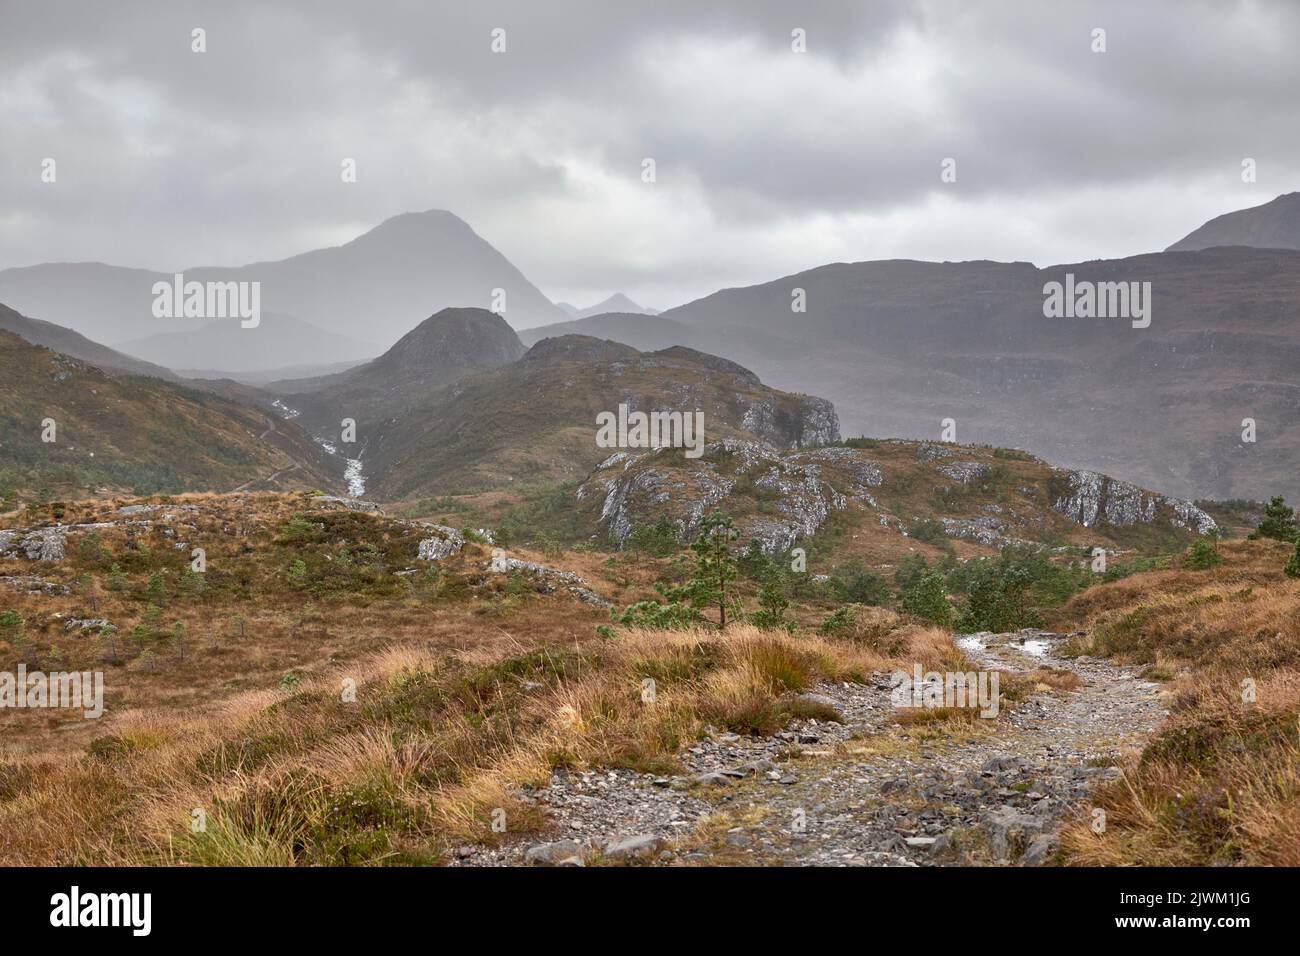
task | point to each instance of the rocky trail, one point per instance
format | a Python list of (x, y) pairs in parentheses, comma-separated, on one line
[(866, 790)]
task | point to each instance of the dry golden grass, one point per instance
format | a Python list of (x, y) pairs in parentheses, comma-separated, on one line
[(1220, 783), (432, 748)]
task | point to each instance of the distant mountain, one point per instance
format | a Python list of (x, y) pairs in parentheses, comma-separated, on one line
[(617, 302), (534, 421), (1274, 225), (56, 337), (438, 352), (901, 345), (645, 332), (277, 342), (366, 289), (138, 434)]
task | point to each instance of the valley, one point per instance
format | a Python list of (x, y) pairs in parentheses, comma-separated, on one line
[(445, 607)]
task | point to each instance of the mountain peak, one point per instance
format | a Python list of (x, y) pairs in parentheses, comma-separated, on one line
[(617, 302), (453, 338), (1272, 225)]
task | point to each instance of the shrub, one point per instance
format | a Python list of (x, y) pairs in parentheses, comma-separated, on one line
[(841, 619), (658, 539), (663, 616), (156, 592), (1292, 569), (193, 584), (928, 599), (998, 600), (772, 605), (11, 624), (298, 530), (855, 583), (1202, 555), (297, 574), (1279, 522)]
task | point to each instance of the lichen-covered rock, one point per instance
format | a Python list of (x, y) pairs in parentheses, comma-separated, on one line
[(820, 424), (929, 451), (442, 544), (634, 488), (1090, 497), (1190, 516), (44, 544), (549, 579), (638, 489), (85, 624), (351, 504), (862, 472), (964, 471), (802, 497), (33, 584), (816, 424)]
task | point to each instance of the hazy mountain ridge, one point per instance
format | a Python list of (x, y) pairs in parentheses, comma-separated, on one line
[(900, 345), (365, 289), (64, 340), (279, 341)]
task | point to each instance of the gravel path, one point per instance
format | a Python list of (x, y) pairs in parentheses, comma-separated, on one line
[(867, 791)]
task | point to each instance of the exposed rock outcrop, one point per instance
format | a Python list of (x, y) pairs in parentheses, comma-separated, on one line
[(1090, 498), (442, 544), (641, 488), (548, 579)]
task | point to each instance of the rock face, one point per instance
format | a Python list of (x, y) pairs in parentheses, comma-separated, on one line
[(642, 488), (547, 579), (964, 472), (816, 424), (1089, 498), (446, 542), (351, 504), (44, 544)]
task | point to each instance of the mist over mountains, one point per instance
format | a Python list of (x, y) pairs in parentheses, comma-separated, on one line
[(365, 290), (901, 345), (898, 346)]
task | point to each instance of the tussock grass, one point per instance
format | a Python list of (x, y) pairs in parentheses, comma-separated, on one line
[(1220, 783), (431, 752)]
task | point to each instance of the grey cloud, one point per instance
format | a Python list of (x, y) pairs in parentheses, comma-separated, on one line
[(168, 159)]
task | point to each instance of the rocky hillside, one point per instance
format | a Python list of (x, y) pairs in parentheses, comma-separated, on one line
[(134, 433), (534, 421), (882, 501)]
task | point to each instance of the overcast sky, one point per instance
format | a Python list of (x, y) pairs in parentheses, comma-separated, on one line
[(768, 161)]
